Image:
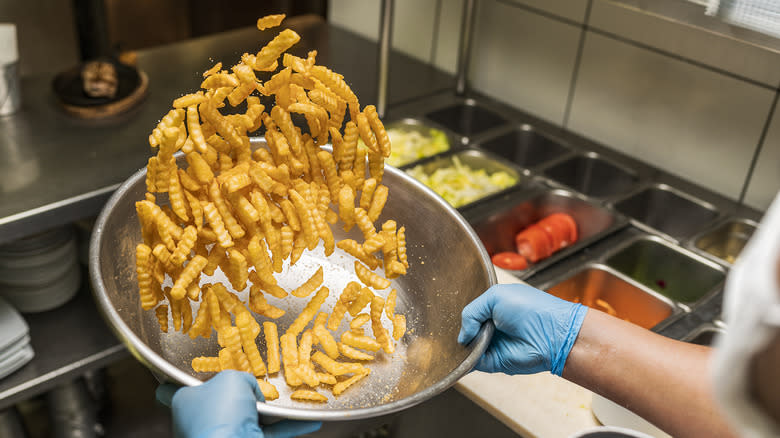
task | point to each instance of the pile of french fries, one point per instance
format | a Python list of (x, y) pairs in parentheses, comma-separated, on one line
[(245, 212)]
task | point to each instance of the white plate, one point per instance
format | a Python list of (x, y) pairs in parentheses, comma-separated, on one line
[(39, 269), (38, 243), (46, 297), (13, 327), (16, 361), (13, 350)]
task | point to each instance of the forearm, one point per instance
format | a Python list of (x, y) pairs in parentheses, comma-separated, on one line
[(665, 381)]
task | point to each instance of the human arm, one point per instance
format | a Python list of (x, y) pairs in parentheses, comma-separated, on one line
[(667, 382), (663, 380), (225, 405)]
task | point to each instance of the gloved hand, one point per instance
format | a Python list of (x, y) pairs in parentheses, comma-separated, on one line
[(224, 406), (534, 330)]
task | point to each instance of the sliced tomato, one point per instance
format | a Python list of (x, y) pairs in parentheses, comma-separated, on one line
[(558, 233), (565, 221), (510, 260), (533, 243)]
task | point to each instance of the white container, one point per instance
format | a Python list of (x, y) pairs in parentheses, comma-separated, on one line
[(10, 98), (610, 432), (610, 413)]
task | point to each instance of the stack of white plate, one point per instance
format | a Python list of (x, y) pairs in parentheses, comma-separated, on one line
[(15, 349), (40, 272)]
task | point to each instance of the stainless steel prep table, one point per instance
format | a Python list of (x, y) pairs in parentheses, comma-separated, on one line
[(55, 169)]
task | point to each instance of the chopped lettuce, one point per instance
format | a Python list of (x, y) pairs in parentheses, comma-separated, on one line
[(460, 185), (411, 144)]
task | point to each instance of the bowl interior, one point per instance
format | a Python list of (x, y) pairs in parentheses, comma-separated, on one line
[(448, 269)]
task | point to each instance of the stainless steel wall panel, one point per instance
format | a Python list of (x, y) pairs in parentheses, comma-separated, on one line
[(709, 48), (412, 23), (569, 9), (688, 120), (765, 181), (524, 59), (446, 56)]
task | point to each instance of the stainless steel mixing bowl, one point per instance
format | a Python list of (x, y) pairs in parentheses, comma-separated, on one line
[(449, 268)]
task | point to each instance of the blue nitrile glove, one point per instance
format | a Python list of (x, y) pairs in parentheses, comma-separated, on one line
[(224, 406), (534, 330)]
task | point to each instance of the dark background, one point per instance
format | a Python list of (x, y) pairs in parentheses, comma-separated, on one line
[(111, 26)]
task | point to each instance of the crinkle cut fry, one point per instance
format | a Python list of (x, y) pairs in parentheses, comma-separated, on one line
[(269, 21), (143, 256), (271, 51), (309, 285), (212, 222), (342, 386), (308, 312), (272, 346)]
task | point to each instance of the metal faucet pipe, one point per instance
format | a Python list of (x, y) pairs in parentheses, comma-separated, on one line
[(383, 61), (464, 48)]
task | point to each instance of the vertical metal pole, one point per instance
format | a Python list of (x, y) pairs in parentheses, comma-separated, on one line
[(383, 63), (92, 28), (464, 48)]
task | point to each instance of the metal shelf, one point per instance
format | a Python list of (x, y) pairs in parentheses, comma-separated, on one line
[(68, 341)]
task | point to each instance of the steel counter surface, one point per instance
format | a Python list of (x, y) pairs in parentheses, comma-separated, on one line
[(67, 342), (55, 169)]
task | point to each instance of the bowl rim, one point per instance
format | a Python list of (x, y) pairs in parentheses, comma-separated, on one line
[(167, 372)]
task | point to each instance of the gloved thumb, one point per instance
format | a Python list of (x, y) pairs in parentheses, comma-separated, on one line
[(164, 393), (252, 382), (474, 315)]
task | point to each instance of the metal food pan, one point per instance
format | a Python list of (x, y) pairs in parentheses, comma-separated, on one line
[(428, 359), (416, 125), (704, 335), (663, 209), (526, 147), (668, 269), (474, 159), (593, 175), (467, 118), (497, 224), (726, 240), (630, 300)]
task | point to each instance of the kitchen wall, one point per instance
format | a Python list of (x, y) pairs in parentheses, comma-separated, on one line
[(45, 32), (48, 37), (697, 103)]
